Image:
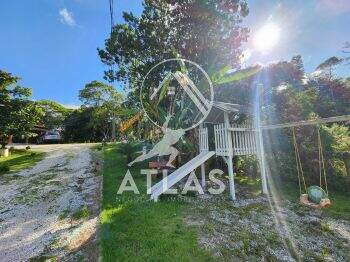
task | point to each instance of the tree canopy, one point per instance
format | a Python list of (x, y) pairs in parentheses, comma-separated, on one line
[(18, 113), (101, 105), (54, 114), (206, 32)]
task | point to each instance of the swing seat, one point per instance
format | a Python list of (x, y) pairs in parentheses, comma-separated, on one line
[(324, 202)]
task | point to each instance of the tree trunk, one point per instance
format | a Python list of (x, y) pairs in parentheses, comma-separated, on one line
[(113, 129), (9, 140)]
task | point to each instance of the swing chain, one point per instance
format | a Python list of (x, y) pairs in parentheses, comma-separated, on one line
[(300, 171), (321, 162)]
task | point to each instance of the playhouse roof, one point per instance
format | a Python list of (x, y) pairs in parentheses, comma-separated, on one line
[(216, 114), (226, 107)]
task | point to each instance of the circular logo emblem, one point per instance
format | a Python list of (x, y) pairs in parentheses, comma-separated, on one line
[(177, 92)]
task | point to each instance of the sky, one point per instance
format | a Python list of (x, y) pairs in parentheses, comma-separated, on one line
[(314, 29), (52, 44)]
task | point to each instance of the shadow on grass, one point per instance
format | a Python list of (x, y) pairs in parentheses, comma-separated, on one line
[(136, 229), (21, 160)]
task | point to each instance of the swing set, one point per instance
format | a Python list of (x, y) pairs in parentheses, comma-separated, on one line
[(232, 139), (313, 196)]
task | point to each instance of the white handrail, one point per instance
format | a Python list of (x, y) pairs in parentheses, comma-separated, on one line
[(203, 140)]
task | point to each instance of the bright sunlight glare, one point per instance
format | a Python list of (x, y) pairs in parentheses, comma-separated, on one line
[(266, 38)]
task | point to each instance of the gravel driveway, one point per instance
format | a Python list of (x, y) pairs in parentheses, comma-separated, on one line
[(51, 209)]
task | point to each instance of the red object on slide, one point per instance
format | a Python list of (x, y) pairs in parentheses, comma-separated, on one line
[(158, 165)]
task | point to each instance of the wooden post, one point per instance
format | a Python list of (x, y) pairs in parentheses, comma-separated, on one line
[(9, 141), (262, 163), (203, 164), (228, 144), (260, 143), (113, 129), (203, 176)]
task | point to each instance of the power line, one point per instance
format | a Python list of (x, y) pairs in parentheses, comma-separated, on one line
[(111, 12)]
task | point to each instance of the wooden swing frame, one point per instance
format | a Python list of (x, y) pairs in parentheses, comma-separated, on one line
[(304, 197)]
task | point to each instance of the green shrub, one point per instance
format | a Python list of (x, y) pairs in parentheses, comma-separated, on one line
[(64, 214), (82, 212), (128, 150), (4, 169), (247, 166)]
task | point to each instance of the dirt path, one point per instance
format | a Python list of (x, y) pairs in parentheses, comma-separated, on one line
[(51, 210)]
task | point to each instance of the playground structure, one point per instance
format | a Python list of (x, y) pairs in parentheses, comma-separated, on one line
[(231, 140)]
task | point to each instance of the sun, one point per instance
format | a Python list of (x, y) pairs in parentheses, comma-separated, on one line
[(266, 38)]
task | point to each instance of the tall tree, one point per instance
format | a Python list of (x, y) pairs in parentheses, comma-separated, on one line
[(207, 32), (18, 114), (104, 102), (54, 114), (97, 94), (78, 127)]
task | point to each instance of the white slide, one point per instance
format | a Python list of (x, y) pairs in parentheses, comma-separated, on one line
[(163, 185)]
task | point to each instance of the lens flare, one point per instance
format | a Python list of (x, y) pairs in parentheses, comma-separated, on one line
[(266, 38), (280, 221)]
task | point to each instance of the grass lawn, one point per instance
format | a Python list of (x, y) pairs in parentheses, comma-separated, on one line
[(340, 208), (20, 159), (136, 229)]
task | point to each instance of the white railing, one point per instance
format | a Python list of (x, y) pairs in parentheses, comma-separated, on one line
[(243, 139), (203, 140), (221, 140)]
